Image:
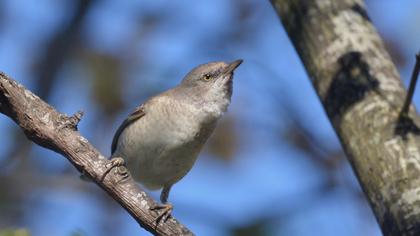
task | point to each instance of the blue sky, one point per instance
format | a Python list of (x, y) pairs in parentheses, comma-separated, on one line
[(266, 177)]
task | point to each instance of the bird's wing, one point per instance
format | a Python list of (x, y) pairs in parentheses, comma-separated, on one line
[(137, 114)]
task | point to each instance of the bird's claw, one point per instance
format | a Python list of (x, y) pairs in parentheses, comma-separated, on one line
[(165, 214), (114, 162)]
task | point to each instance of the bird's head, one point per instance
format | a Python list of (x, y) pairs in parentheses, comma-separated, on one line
[(211, 84)]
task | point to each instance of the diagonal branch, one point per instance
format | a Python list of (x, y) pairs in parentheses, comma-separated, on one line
[(48, 64), (45, 126)]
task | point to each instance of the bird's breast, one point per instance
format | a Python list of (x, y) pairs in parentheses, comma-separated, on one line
[(163, 145)]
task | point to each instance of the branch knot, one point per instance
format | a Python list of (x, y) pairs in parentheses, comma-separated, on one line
[(72, 121)]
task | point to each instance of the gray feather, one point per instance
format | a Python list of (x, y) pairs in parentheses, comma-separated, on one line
[(137, 114)]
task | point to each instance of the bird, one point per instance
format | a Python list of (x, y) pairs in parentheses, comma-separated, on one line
[(161, 139)]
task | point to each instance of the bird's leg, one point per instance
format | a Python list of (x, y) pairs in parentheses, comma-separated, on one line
[(165, 207), (114, 162)]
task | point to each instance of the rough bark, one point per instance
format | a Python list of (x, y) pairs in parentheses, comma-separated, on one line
[(362, 94), (48, 65), (42, 124)]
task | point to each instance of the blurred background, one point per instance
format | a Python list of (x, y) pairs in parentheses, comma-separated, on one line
[(274, 165)]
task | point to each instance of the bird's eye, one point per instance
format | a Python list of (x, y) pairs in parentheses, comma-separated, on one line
[(207, 77)]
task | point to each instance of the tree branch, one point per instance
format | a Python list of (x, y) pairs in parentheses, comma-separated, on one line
[(42, 124), (362, 94), (57, 50)]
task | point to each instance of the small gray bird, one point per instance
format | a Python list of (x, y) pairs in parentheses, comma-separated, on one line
[(162, 138)]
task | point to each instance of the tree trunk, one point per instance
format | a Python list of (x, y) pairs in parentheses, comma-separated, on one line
[(362, 94)]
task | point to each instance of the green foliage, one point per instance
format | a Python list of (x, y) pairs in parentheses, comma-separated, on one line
[(14, 232)]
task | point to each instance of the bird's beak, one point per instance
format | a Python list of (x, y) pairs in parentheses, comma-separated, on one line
[(232, 66)]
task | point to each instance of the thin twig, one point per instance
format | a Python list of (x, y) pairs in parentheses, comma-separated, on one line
[(411, 88)]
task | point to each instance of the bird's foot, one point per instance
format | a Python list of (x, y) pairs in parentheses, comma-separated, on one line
[(115, 162), (165, 214)]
